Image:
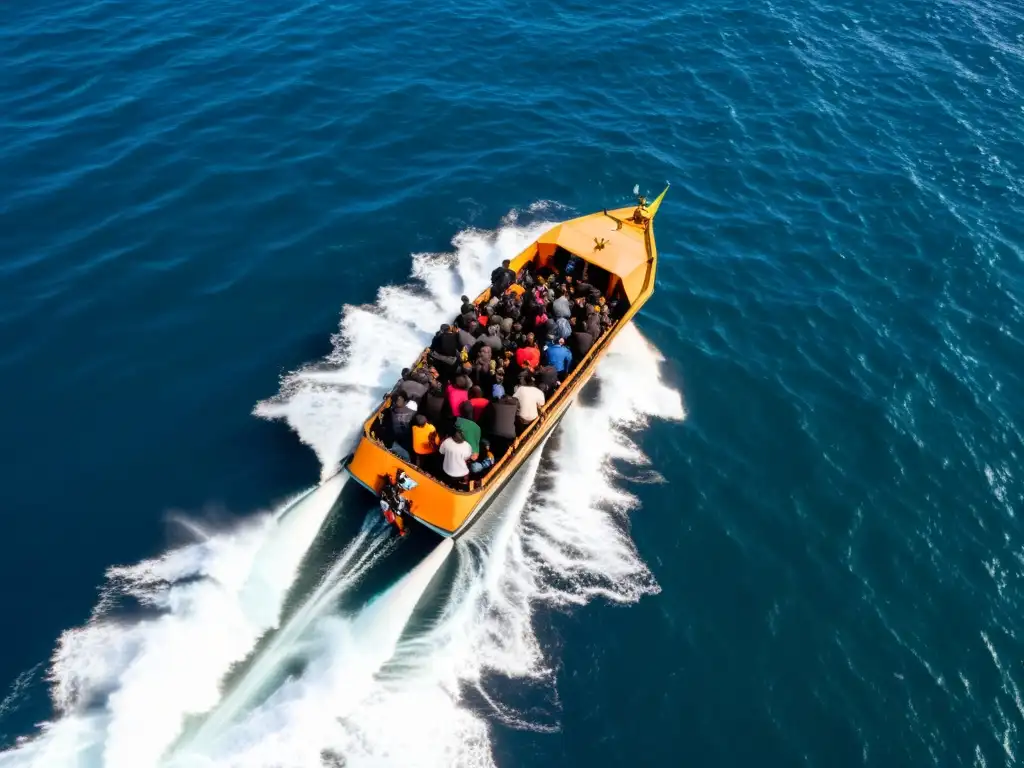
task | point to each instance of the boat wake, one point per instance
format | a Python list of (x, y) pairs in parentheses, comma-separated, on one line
[(124, 689)]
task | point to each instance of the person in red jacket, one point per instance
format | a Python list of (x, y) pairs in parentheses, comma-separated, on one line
[(528, 355)]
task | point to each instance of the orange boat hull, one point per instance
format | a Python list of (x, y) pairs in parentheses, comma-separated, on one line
[(450, 512)]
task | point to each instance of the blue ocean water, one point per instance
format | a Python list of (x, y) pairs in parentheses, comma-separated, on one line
[(784, 527)]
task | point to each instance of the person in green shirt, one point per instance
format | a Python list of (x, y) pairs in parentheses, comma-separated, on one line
[(469, 428)]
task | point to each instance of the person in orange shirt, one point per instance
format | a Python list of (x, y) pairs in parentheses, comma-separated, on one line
[(424, 440)]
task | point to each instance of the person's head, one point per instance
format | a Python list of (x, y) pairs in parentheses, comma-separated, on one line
[(465, 299), (528, 380), (420, 420), (475, 391), (463, 381), (485, 445), (445, 328), (400, 401), (466, 410), (405, 373), (493, 330), (506, 263), (458, 437), (561, 341), (530, 339), (572, 320), (499, 377)]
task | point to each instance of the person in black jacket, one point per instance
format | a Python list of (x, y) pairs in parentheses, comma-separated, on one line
[(501, 278), (501, 422), (401, 422), (444, 349)]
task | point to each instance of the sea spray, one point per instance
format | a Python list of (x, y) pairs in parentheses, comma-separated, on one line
[(124, 688)]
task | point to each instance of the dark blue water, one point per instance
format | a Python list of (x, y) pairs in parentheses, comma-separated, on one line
[(830, 573)]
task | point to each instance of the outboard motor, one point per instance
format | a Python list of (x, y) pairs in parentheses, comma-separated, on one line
[(393, 504)]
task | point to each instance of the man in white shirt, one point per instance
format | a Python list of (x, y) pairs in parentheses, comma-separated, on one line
[(456, 452), (530, 399)]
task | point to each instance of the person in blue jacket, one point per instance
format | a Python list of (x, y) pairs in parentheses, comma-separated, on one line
[(559, 357)]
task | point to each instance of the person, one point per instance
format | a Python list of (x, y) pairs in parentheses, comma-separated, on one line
[(466, 339), (528, 355), (412, 386), (433, 404), (457, 393), (485, 459), (530, 399), (563, 329), (498, 389), (580, 343), (558, 356), (456, 452), (424, 440), (561, 307), (444, 349), (492, 338), (501, 278), (485, 316), (401, 423), (445, 343), (468, 427), (502, 421), (546, 378), (483, 373), (478, 401), (467, 306)]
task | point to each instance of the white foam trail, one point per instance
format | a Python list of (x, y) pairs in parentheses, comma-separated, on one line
[(301, 718), (373, 542), (123, 688), (564, 547)]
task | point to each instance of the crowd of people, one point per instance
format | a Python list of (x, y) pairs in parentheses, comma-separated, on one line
[(487, 376)]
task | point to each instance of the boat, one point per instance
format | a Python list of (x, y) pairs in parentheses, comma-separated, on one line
[(618, 253)]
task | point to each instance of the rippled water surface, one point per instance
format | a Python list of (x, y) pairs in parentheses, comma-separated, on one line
[(784, 529)]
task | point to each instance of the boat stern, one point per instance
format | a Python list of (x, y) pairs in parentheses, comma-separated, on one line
[(432, 503)]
